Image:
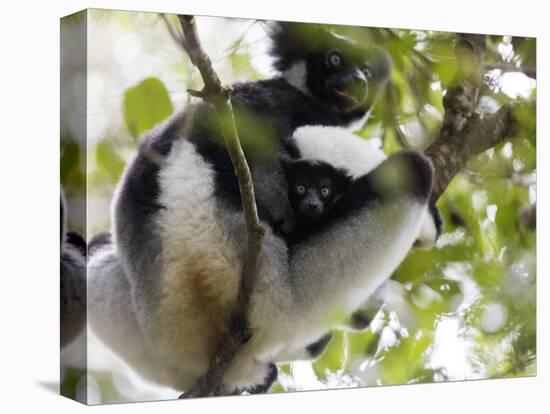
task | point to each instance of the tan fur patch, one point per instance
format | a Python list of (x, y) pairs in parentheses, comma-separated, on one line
[(201, 269)]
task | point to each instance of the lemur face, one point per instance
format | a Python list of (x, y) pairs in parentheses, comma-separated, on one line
[(339, 70), (313, 187)]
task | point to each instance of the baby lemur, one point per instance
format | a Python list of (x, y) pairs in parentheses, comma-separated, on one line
[(314, 187)]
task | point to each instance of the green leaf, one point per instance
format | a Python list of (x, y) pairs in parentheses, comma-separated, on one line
[(403, 361), (108, 160), (276, 388), (145, 105), (70, 159), (334, 357)]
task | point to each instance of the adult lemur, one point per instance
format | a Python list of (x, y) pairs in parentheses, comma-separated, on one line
[(160, 295)]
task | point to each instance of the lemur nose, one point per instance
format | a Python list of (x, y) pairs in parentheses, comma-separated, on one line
[(313, 206)]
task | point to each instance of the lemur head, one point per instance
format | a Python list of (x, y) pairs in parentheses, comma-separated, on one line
[(340, 70), (313, 186)]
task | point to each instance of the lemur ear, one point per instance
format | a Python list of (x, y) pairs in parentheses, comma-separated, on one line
[(287, 163), (380, 64), (291, 41), (344, 180)]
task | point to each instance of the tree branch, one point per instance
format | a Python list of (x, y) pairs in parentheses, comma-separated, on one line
[(236, 332), (452, 149), (464, 133)]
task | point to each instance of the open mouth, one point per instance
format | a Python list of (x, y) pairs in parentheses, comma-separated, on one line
[(346, 96), (347, 90)]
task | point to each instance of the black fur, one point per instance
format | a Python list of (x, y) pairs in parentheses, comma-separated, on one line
[(360, 320), (76, 240), (361, 66), (438, 220), (316, 348), (293, 41)]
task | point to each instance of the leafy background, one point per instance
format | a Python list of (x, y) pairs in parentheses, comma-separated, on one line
[(463, 310)]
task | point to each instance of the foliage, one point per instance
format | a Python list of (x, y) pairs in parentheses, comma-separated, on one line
[(145, 105)]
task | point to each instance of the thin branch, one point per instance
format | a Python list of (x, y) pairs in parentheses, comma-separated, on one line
[(176, 37), (236, 333), (237, 44)]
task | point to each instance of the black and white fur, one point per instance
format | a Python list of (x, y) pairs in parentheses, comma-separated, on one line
[(161, 293), (354, 157), (72, 280)]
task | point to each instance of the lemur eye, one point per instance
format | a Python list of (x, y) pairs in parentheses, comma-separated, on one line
[(335, 60), (325, 192), (300, 189)]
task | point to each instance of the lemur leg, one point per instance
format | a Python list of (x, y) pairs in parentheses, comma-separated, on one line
[(271, 377), (310, 352), (110, 311)]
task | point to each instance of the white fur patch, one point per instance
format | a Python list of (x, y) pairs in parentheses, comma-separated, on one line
[(338, 147), (428, 233), (296, 75)]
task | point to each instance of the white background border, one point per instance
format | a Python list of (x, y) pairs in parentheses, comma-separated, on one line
[(29, 150)]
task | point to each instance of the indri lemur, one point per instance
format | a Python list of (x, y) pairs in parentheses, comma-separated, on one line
[(314, 187), (160, 295)]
